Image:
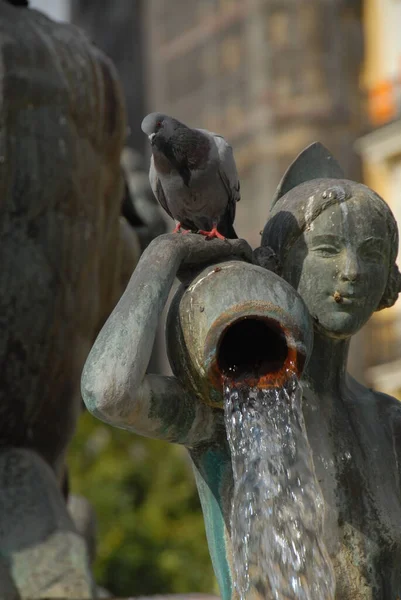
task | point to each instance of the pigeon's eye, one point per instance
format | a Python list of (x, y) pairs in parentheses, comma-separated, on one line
[(159, 124)]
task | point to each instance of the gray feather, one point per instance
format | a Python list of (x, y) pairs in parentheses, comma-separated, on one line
[(228, 173), (157, 188)]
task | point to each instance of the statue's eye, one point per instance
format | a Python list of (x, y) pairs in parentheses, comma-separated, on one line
[(372, 250), (372, 254), (326, 250)]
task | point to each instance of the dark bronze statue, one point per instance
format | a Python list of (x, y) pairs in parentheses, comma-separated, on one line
[(335, 242)]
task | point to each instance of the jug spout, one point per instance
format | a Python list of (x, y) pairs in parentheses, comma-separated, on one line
[(239, 322), (254, 349)]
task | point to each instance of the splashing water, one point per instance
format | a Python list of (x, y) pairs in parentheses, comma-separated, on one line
[(277, 510)]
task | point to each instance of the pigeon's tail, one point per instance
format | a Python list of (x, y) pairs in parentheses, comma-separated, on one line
[(226, 228)]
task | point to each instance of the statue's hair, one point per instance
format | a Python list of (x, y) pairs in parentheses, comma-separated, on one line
[(294, 213)]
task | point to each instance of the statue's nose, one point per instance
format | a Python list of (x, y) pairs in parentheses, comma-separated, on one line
[(350, 267)]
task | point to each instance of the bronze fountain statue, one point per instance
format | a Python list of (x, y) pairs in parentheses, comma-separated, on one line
[(333, 244)]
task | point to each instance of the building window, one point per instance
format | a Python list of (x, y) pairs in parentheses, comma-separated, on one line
[(231, 52), (278, 28)]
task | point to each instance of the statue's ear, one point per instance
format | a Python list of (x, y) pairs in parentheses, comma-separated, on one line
[(315, 162)]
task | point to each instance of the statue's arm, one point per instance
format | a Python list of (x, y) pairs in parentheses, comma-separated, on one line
[(115, 386)]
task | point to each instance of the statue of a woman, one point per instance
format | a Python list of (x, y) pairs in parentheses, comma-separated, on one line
[(335, 241)]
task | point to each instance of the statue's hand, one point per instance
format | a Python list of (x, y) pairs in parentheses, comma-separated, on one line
[(198, 252)]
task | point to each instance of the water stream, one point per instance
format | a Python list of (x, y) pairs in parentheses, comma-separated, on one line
[(277, 510)]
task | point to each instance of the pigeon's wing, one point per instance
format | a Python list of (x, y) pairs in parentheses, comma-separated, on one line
[(157, 188), (228, 168), (228, 174)]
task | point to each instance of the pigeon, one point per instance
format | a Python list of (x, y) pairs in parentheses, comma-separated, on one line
[(193, 176)]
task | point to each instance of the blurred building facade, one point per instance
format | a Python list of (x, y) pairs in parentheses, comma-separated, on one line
[(272, 76), (380, 149)]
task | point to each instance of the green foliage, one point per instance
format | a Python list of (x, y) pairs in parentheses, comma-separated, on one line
[(151, 536)]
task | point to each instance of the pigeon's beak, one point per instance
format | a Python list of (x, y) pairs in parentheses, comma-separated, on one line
[(151, 136)]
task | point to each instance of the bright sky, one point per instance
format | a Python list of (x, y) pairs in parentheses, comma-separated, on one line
[(56, 9)]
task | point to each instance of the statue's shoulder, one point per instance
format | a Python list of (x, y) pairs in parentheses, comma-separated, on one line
[(388, 408), (370, 398), (390, 405)]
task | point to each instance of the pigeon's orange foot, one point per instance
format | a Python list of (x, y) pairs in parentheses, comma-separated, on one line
[(179, 229), (213, 233)]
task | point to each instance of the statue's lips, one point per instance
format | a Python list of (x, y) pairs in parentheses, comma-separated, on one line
[(347, 299)]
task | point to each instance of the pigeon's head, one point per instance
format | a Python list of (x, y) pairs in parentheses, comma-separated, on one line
[(159, 127)]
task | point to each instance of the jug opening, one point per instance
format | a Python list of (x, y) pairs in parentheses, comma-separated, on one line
[(252, 349)]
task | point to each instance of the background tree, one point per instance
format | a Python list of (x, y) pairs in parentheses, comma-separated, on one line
[(151, 536)]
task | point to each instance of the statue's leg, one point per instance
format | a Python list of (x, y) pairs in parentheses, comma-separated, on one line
[(42, 555)]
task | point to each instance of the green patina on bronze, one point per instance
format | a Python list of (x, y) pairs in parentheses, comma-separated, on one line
[(212, 467)]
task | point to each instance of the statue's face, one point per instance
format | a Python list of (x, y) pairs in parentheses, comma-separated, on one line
[(340, 266)]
